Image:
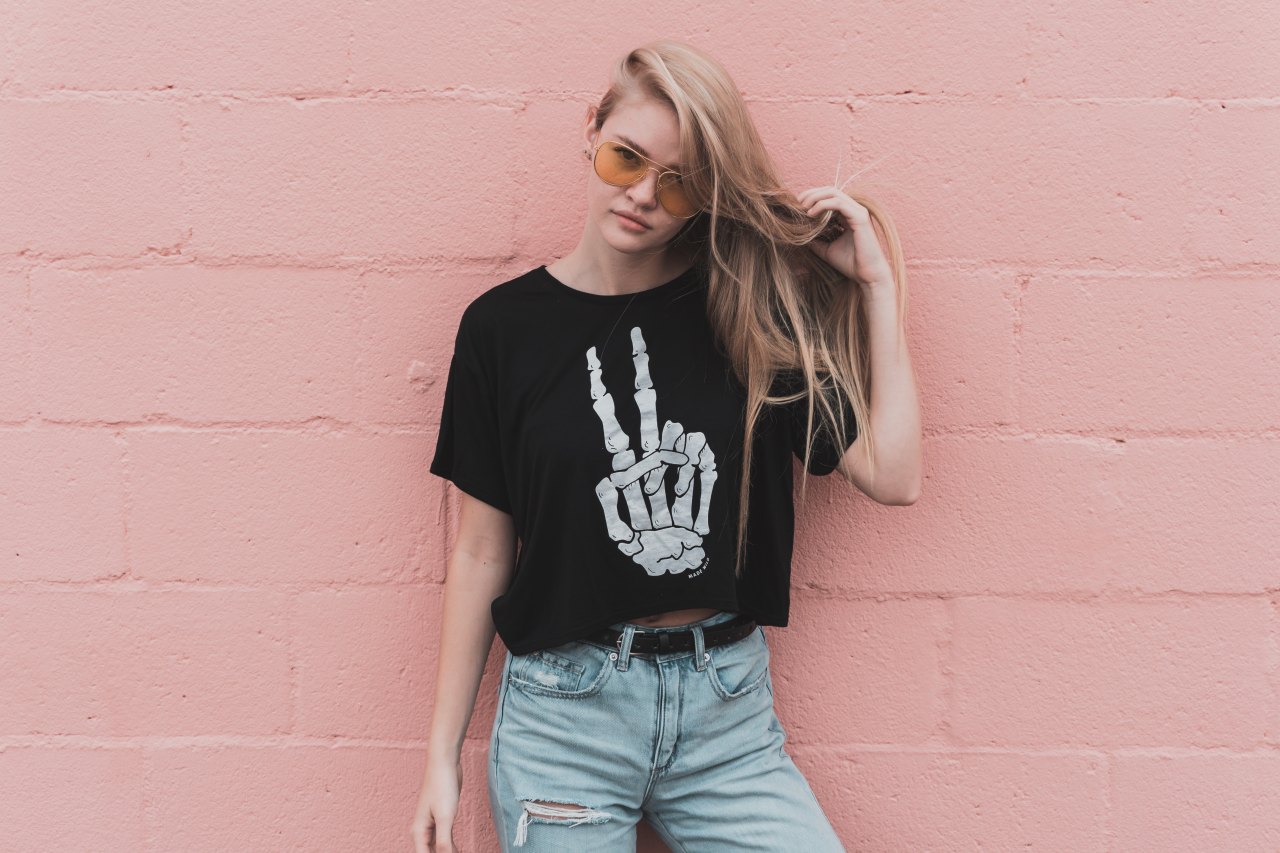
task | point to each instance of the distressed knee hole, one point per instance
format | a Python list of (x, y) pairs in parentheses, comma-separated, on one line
[(569, 814)]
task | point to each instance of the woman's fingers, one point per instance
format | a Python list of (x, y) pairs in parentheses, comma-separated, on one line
[(842, 209), (806, 198), (853, 213), (818, 199), (433, 837), (442, 838)]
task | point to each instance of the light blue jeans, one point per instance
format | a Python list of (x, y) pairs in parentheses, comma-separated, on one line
[(687, 740)]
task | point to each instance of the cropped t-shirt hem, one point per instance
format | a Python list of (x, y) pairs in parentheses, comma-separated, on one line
[(610, 618)]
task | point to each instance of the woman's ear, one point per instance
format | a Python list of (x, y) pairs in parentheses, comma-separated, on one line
[(589, 131)]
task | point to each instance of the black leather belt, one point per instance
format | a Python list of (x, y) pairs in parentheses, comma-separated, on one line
[(648, 642)]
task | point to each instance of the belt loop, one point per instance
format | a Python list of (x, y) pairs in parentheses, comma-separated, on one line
[(699, 649), (624, 647)]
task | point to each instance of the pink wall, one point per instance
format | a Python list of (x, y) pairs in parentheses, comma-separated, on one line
[(234, 242)]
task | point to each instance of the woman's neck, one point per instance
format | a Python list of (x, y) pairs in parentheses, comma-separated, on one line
[(596, 275)]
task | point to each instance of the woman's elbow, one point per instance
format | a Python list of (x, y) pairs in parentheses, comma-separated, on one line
[(902, 495)]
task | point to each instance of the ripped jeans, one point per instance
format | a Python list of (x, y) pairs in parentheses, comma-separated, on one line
[(688, 741)]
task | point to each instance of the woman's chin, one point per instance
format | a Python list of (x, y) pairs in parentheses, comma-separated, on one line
[(628, 241)]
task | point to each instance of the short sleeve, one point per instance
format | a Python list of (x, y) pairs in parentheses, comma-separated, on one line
[(468, 448), (828, 447)]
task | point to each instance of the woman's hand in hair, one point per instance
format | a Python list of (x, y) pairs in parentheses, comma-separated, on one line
[(855, 253)]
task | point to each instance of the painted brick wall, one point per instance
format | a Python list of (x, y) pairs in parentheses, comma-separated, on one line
[(235, 239)]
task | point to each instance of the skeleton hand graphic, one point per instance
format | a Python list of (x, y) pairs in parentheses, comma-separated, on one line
[(657, 538)]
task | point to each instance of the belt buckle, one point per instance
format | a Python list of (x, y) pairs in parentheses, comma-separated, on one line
[(618, 642)]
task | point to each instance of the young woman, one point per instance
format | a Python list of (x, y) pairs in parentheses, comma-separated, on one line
[(629, 414)]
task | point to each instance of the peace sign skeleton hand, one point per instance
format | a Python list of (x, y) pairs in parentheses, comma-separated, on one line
[(658, 539)]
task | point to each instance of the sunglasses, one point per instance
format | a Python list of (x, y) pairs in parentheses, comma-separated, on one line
[(621, 166)]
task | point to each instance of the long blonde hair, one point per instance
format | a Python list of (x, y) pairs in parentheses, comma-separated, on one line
[(775, 307)]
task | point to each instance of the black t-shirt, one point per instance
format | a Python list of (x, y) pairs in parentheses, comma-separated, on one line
[(610, 427)]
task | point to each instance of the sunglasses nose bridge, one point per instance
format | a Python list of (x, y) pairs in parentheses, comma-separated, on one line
[(643, 179)]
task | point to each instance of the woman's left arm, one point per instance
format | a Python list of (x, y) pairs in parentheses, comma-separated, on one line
[(895, 404)]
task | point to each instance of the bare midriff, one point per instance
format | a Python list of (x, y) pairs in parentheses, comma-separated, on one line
[(675, 617)]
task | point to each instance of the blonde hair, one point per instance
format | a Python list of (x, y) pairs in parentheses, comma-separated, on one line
[(773, 305)]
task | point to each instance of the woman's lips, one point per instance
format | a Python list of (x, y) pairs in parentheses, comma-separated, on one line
[(630, 220)]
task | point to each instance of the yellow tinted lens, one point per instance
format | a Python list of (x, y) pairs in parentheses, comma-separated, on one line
[(618, 165), (672, 195)]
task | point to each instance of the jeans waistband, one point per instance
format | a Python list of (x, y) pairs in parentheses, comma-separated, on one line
[(677, 640)]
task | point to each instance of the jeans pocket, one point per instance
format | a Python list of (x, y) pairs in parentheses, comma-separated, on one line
[(736, 669), (573, 670)]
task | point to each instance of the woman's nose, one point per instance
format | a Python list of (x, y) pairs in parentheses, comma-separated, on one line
[(646, 189)]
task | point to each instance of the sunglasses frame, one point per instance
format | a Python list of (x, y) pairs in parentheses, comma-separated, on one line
[(654, 165)]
